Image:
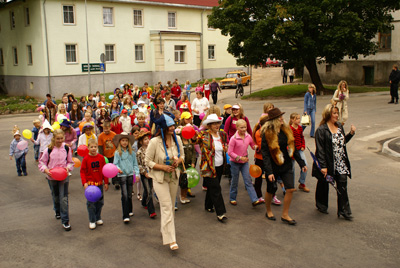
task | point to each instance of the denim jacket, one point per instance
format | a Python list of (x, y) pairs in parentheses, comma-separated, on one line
[(310, 102), (14, 151)]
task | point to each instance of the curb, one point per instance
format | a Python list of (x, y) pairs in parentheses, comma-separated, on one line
[(388, 151)]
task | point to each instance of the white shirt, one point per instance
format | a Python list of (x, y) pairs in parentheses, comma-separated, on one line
[(200, 104), (219, 158), (126, 124)]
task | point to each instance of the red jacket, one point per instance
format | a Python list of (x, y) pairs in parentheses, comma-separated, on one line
[(116, 128), (299, 141), (92, 170), (176, 92)]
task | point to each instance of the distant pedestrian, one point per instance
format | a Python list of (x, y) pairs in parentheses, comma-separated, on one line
[(310, 106), (206, 89), (291, 74), (284, 74), (394, 79), (214, 91)]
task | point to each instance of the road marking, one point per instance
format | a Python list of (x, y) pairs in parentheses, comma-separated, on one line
[(378, 134)]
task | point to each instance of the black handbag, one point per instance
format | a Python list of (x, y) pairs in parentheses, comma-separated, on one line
[(183, 181)]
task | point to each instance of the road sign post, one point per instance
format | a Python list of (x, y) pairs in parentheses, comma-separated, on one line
[(103, 69)]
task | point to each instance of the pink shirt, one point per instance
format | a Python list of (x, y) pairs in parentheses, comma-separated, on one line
[(58, 158), (238, 146)]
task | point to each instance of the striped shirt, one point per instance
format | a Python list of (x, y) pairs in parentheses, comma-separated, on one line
[(299, 141)]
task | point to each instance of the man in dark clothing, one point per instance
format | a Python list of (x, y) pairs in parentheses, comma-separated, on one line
[(394, 79)]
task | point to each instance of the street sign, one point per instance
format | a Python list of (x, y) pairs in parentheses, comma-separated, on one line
[(94, 67), (102, 57), (102, 67)]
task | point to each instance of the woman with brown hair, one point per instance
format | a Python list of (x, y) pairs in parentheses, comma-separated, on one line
[(277, 149), (50, 112), (333, 161)]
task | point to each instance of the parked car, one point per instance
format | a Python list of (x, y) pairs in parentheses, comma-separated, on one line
[(231, 81), (272, 63)]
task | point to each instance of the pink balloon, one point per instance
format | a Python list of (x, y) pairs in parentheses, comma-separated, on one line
[(110, 170), (59, 173), (22, 145), (201, 116)]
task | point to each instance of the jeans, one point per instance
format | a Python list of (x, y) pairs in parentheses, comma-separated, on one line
[(303, 175), (244, 169), (311, 113), (36, 151), (21, 165), (188, 94), (214, 96), (59, 192), (214, 197), (94, 208), (147, 200), (126, 195)]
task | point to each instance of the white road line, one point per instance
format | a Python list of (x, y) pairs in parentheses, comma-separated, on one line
[(378, 134)]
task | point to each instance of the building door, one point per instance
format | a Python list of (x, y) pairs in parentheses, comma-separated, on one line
[(368, 75)]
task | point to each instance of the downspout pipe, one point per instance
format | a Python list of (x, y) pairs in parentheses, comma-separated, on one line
[(201, 47), (47, 47)]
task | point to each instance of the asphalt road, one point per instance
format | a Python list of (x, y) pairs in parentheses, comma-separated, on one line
[(31, 237)]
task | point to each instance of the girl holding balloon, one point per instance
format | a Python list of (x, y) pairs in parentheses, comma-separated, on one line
[(56, 162), (126, 162), (92, 175), (62, 112), (18, 149)]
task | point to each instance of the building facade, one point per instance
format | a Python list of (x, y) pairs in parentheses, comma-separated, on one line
[(371, 70), (44, 45)]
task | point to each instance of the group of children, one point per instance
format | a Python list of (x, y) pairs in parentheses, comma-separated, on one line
[(121, 132)]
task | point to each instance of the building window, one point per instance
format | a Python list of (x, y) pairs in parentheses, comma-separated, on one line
[(70, 53), (180, 54), (108, 16), (138, 17), (211, 52), (110, 57), (209, 27), (29, 52), (328, 68), (139, 53), (1, 57), (27, 17), (12, 20), (385, 40), (171, 19), (69, 14), (15, 55)]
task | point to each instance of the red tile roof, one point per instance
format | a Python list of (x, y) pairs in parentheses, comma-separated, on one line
[(206, 3)]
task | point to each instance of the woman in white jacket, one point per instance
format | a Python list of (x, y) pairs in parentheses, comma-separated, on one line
[(339, 99)]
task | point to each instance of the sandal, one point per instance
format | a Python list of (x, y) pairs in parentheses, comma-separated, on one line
[(139, 197), (173, 246)]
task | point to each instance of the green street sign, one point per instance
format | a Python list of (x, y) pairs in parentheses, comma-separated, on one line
[(94, 67)]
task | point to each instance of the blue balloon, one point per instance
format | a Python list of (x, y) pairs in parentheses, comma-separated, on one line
[(93, 193), (227, 159), (111, 97)]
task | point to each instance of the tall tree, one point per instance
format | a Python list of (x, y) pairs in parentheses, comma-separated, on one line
[(302, 31)]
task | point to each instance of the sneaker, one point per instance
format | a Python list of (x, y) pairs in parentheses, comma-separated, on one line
[(57, 216), (262, 200), (176, 208), (25, 174), (184, 200), (19, 175), (92, 225), (139, 197), (67, 227), (99, 222), (276, 201), (127, 220), (204, 188), (190, 194), (153, 215), (258, 202), (233, 202), (130, 214), (303, 187)]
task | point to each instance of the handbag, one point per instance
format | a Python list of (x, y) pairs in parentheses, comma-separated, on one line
[(305, 120), (183, 181)]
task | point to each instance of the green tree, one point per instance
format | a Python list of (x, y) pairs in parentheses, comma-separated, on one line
[(302, 32)]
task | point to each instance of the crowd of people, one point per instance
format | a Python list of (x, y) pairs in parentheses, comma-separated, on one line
[(141, 132)]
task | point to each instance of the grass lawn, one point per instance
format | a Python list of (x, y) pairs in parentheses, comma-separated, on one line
[(17, 104), (299, 91)]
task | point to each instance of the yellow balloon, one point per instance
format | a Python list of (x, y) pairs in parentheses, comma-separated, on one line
[(27, 134), (56, 125)]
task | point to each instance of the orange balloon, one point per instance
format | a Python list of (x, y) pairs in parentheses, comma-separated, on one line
[(77, 162), (255, 171)]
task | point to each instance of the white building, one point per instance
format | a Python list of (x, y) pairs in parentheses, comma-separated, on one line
[(44, 44), (370, 70)]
